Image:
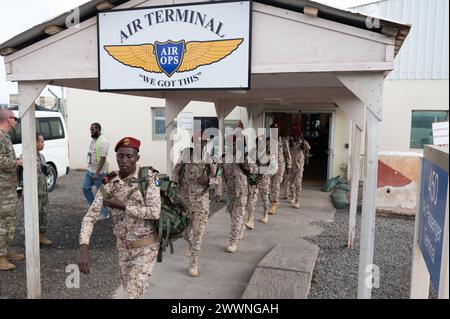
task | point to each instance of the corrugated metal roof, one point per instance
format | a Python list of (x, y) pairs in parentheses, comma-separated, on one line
[(425, 54), (88, 10)]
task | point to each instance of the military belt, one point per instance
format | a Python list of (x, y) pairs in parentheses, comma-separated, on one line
[(143, 242)]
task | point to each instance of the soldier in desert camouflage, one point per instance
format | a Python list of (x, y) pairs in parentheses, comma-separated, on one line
[(236, 189), (299, 150), (132, 215), (194, 179), (284, 164), (265, 169)]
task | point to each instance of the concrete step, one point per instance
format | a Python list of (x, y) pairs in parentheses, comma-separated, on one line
[(284, 273)]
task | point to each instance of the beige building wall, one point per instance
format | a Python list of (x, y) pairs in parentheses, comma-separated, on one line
[(120, 116), (400, 99), (341, 138)]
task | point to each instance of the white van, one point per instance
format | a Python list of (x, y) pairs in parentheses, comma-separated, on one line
[(56, 151)]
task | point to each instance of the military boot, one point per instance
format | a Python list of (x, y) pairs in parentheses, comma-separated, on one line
[(297, 204), (193, 266), (249, 223), (44, 241), (232, 247), (241, 235), (265, 219), (294, 199), (286, 193), (13, 256), (274, 208), (5, 264)]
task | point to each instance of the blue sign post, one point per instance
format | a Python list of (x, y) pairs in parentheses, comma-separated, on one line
[(433, 201)]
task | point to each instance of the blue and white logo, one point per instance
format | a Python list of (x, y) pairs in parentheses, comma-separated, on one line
[(169, 55)]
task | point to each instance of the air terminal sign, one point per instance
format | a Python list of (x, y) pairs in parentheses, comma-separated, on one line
[(193, 46)]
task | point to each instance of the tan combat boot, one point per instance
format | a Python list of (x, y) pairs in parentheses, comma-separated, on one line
[(232, 247), (294, 199), (297, 204), (13, 256), (274, 208), (241, 235), (193, 266), (249, 223), (286, 193), (44, 241), (5, 264), (265, 219)]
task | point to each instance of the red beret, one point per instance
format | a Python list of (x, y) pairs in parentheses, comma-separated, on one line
[(128, 142)]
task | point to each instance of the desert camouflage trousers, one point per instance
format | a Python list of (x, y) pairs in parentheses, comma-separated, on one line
[(277, 179), (136, 266), (263, 188), (236, 208), (199, 212), (295, 180), (8, 206)]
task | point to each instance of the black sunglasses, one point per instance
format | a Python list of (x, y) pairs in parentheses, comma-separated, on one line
[(13, 117)]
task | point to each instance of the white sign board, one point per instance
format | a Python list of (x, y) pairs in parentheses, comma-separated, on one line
[(187, 120), (440, 133), (189, 46)]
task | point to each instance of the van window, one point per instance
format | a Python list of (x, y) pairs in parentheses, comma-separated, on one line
[(50, 127)]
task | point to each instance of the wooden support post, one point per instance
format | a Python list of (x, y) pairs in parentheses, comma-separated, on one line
[(250, 113), (28, 93), (223, 109), (366, 265), (174, 106), (355, 169)]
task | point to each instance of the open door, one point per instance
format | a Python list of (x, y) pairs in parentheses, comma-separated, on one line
[(317, 130)]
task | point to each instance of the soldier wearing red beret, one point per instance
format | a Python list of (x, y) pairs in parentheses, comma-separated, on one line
[(137, 238)]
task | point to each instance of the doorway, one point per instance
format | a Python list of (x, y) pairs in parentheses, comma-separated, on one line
[(317, 128)]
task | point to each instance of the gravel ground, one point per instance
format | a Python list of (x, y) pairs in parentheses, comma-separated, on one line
[(336, 273), (67, 208)]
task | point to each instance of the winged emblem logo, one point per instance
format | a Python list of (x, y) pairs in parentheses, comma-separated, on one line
[(170, 57)]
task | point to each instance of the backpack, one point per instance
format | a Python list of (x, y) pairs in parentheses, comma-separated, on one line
[(173, 219), (252, 178)]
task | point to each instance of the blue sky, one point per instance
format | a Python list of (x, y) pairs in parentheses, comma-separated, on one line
[(14, 20)]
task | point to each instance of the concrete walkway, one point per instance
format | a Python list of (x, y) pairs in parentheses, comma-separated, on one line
[(224, 275)]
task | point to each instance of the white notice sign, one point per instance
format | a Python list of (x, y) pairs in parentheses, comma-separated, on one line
[(187, 120), (440, 133), (190, 46)]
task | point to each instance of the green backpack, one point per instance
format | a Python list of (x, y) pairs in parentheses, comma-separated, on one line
[(173, 219)]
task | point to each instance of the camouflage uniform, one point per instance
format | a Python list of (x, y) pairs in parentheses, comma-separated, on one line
[(8, 192), (132, 225), (284, 162), (42, 194), (237, 191), (299, 147), (196, 198), (262, 187)]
